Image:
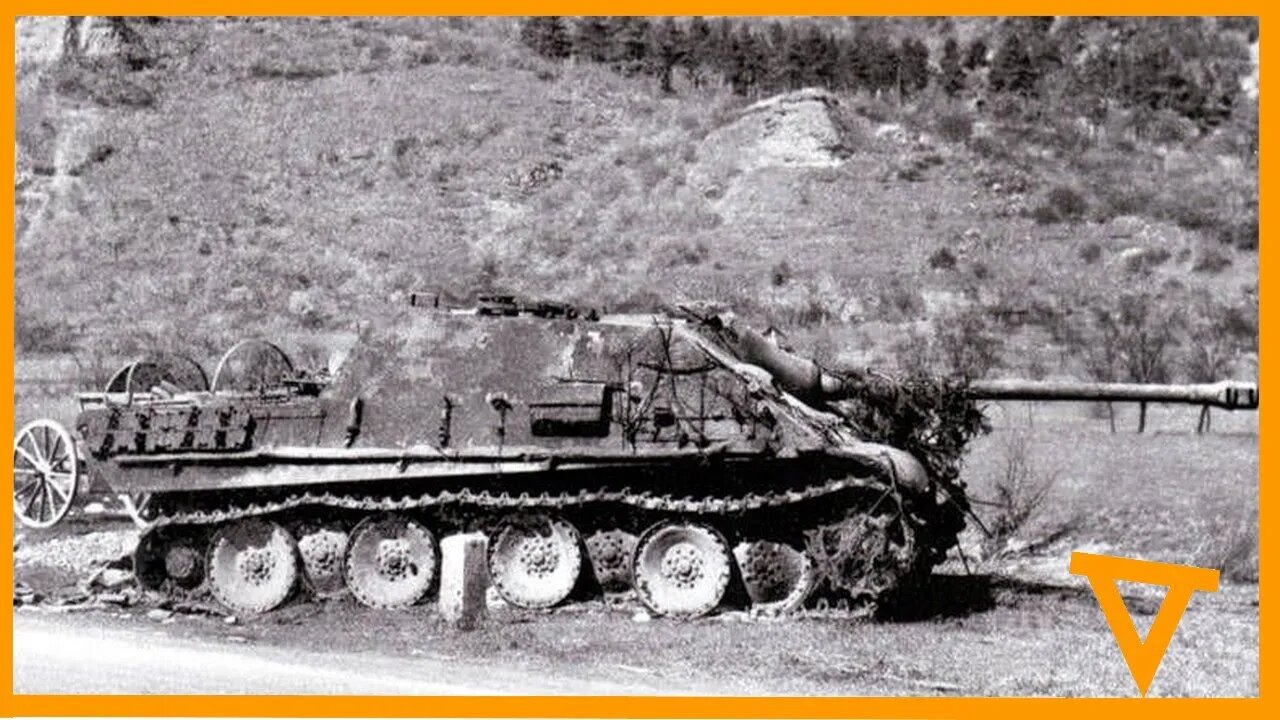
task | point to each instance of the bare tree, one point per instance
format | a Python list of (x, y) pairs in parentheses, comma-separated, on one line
[(1134, 340)]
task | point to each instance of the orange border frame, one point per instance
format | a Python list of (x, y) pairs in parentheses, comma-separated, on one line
[(646, 706)]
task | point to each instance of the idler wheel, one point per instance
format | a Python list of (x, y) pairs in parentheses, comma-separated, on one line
[(170, 559), (778, 578), (682, 569), (391, 561), (535, 561), (252, 565), (323, 548), (46, 473), (611, 553)]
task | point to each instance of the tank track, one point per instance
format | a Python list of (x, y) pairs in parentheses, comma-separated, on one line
[(542, 501), (842, 588)]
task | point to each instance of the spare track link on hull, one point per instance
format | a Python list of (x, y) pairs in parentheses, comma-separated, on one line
[(863, 592)]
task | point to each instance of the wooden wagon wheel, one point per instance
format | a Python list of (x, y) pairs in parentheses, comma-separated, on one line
[(46, 473), (251, 365), (157, 369)]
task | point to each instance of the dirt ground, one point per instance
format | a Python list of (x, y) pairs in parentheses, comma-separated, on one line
[(1012, 633)]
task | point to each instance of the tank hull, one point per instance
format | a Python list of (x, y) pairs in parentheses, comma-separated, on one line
[(644, 438)]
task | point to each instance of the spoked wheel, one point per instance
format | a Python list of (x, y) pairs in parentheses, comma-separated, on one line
[(611, 552), (391, 562), (46, 473), (323, 548), (682, 569), (778, 578), (168, 372), (170, 559), (252, 565), (535, 561), (250, 366)]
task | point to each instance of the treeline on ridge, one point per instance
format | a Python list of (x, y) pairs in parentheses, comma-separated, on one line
[(1189, 66)]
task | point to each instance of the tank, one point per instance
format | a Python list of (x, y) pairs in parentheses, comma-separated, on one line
[(685, 457)]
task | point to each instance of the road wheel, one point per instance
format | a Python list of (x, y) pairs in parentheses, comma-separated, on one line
[(252, 565), (323, 549), (170, 559), (391, 562), (535, 561), (778, 578), (682, 569), (611, 553)]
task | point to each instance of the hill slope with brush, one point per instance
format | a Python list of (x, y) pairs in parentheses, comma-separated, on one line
[(286, 177)]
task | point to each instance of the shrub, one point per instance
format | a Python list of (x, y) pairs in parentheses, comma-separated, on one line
[(914, 355), (1211, 261), (781, 274), (43, 336), (875, 110), (106, 88), (1021, 489), (990, 148), (684, 253), (1192, 212), (1155, 257), (954, 127), (1061, 204), (899, 301), (1091, 253), (1241, 234), (1235, 554), (942, 259), (967, 346), (1119, 197)]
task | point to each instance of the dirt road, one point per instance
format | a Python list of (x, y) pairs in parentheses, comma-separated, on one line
[(79, 654), (64, 654)]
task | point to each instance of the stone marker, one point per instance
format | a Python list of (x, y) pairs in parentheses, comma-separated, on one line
[(464, 577)]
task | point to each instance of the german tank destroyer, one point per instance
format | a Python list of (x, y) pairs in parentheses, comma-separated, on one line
[(685, 457)]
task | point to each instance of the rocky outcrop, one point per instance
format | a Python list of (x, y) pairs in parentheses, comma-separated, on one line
[(796, 129), (47, 39)]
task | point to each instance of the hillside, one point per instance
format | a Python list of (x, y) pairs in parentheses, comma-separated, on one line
[(291, 177)]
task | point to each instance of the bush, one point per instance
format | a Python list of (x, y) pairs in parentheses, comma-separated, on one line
[(942, 259), (1211, 261), (966, 344), (1021, 489), (1062, 204), (1091, 253), (1120, 197), (1194, 212), (1235, 554), (1241, 234), (107, 88), (781, 274), (43, 336), (990, 148), (954, 127), (899, 301)]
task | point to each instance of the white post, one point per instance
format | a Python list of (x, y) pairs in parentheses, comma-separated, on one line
[(464, 578)]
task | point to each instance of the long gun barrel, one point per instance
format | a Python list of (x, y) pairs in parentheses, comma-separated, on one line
[(1226, 394), (809, 381)]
